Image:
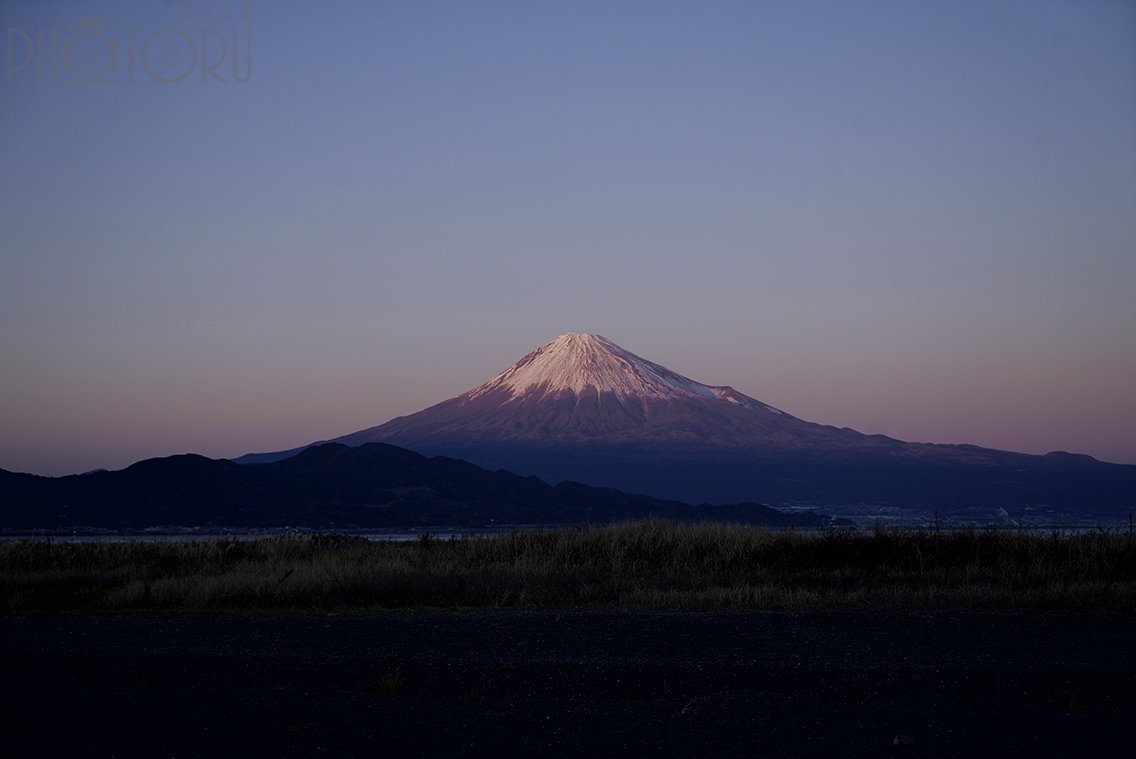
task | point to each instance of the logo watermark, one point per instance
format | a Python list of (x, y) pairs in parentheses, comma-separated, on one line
[(211, 44)]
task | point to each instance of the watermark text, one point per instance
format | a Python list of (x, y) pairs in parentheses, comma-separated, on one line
[(212, 46)]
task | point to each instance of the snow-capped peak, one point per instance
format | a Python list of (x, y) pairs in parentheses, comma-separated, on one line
[(576, 361)]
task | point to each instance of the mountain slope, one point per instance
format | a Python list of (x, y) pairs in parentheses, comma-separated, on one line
[(331, 485), (585, 389)]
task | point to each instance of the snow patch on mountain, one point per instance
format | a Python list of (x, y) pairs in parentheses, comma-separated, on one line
[(575, 362)]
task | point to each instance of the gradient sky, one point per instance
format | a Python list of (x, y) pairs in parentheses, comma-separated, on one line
[(913, 218)]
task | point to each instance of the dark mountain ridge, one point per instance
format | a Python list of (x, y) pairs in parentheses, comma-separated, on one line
[(332, 486)]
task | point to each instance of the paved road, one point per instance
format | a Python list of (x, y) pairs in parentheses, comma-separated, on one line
[(1033, 684)]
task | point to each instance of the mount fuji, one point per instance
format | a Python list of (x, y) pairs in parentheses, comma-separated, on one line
[(582, 408), (584, 391)]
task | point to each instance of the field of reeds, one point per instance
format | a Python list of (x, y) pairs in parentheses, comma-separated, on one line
[(642, 565)]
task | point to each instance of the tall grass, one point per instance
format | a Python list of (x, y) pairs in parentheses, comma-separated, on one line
[(650, 565)]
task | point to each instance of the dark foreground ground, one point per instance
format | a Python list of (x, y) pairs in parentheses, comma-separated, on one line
[(842, 684)]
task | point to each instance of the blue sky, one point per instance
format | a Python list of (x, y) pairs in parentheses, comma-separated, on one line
[(909, 218)]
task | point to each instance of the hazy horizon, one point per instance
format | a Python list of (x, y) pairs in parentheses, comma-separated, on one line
[(910, 219)]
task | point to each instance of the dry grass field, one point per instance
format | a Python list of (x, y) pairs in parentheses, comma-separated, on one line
[(643, 565)]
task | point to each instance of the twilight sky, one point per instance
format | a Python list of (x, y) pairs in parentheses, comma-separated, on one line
[(917, 219)]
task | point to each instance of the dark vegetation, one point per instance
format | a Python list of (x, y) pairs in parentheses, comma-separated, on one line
[(333, 486), (652, 564)]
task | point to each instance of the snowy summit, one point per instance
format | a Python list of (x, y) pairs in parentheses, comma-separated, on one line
[(585, 389), (577, 362), (582, 364)]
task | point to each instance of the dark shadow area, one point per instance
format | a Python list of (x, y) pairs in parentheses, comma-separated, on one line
[(1038, 684)]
